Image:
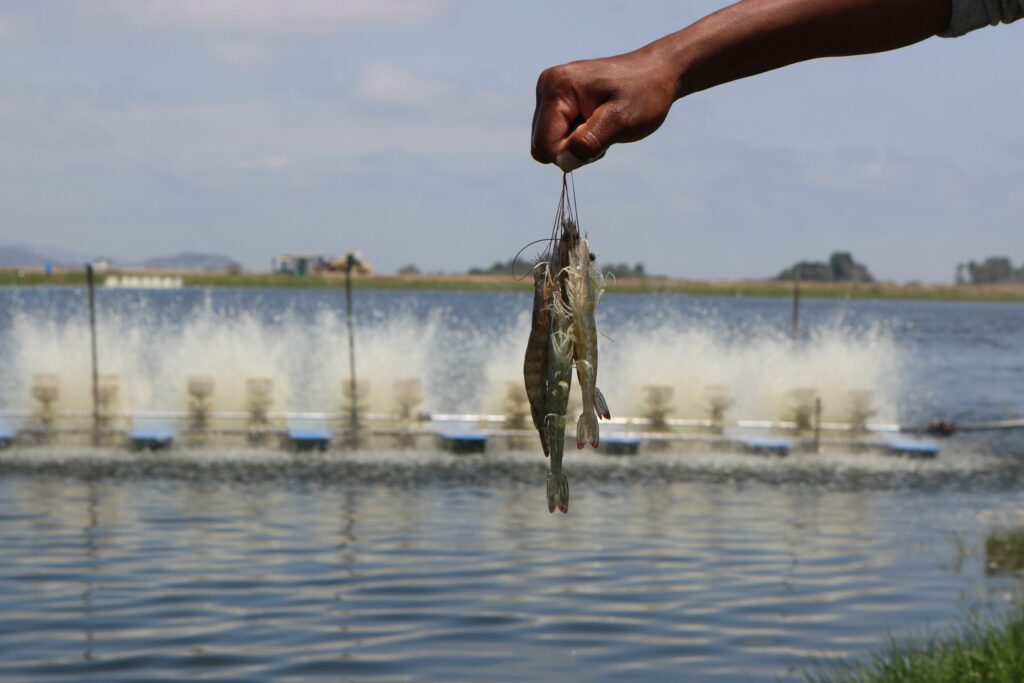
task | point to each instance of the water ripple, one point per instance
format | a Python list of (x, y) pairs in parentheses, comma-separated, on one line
[(122, 579)]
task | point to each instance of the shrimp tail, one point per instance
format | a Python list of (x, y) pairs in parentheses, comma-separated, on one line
[(558, 492), (602, 405), (587, 430)]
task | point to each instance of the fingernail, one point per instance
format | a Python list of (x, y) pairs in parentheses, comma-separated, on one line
[(567, 161)]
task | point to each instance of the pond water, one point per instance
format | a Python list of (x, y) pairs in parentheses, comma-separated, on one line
[(418, 565)]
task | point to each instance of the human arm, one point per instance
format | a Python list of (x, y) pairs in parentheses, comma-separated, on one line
[(586, 106)]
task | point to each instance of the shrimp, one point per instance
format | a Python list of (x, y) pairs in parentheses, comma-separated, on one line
[(551, 267), (535, 364), (559, 381), (584, 287)]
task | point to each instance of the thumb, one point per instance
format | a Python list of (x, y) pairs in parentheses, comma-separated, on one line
[(591, 139)]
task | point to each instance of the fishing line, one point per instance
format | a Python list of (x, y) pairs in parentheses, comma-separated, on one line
[(566, 221), (575, 207)]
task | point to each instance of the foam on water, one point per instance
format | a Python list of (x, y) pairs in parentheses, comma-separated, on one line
[(307, 360), (759, 367), (758, 372), (462, 365)]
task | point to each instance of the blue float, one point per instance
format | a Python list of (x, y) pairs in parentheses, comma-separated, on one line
[(150, 438), (620, 444), (766, 446), (912, 449), (463, 442), (308, 438)]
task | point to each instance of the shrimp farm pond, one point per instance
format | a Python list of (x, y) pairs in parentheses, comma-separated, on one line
[(229, 504)]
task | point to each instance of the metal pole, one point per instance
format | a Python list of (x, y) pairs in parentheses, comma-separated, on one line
[(795, 332), (90, 280), (353, 436), (817, 424)]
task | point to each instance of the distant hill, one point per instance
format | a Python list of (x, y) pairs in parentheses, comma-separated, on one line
[(190, 260), (37, 256), (12, 256)]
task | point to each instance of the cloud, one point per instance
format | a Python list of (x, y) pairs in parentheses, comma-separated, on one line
[(270, 163), (210, 142), (241, 54), (266, 17), (13, 26), (389, 84), (841, 174)]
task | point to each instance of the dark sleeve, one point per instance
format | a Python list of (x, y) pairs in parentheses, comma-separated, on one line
[(968, 15)]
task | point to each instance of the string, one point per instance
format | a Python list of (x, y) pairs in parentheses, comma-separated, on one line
[(566, 224)]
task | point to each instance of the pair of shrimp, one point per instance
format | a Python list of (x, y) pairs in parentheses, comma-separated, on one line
[(563, 334)]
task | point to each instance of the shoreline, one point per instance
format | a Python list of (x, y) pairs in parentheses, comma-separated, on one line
[(1006, 292), (977, 649)]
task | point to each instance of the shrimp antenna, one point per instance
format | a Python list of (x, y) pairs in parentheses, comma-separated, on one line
[(520, 253)]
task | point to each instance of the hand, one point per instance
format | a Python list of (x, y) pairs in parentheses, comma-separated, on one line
[(585, 107)]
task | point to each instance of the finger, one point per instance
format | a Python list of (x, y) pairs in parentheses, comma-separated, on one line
[(538, 112), (556, 108), (592, 138), (537, 109), (567, 161), (550, 128)]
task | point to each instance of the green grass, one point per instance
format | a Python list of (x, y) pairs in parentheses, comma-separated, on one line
[(14, 278), (984, 652), (732, 288), (1004, 551), (35, 277)]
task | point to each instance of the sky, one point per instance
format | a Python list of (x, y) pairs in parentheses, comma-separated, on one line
[(400, 128)]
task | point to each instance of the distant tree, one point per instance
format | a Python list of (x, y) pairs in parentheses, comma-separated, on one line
[(994, 269), (618, 270), (845, 269), (410, 269), (812, 271), (500, 268), (840, 268), (621, 270), (233, 268), (961, 278)]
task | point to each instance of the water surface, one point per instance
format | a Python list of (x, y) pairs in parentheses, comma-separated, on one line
[(231, 564)]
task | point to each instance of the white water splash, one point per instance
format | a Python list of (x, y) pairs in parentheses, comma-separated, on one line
[(466, 368)]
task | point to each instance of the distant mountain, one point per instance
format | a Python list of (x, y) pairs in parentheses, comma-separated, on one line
[(67, 257), (14, 256), (189, 260), (37, 256)]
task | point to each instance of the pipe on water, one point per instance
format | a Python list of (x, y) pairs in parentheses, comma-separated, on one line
[(817, 425), (353, 435), (91, 282), (795, 328)]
